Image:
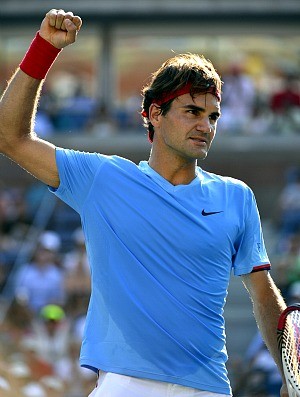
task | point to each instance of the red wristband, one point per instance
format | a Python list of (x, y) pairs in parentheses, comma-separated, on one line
[(39, 58)]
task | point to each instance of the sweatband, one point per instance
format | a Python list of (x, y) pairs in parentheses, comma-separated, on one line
[(186, 90), (166, 97), (39, 58)]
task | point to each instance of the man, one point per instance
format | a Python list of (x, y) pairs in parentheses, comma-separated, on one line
[(162, 237), (41, 280)]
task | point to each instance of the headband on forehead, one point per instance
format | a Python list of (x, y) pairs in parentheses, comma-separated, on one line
[(186, 89)]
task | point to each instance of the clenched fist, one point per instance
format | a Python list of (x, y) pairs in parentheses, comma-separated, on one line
[(60, 28)]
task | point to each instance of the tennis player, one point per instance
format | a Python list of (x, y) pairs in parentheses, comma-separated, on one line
[(162, 237)]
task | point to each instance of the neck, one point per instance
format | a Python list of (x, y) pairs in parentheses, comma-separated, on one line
[(177, 173)]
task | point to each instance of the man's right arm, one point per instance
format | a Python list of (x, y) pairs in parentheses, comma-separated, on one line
[(18, 105), (17, 138)]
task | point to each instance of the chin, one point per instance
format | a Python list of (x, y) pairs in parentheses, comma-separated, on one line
[(202, 156)]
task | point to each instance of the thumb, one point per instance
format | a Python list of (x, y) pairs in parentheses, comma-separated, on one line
[(284, 391)]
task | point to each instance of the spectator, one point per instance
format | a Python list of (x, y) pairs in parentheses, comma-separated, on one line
[(102, 123), (50, 335), (288, 266), (289, 202), (238, 100), (15, 325), (75, 263), (260, 376), (79, 381), (13, 210), (294, 290), (260, 122), (75, 112), (286, 106), (288, 97), (41, 281)]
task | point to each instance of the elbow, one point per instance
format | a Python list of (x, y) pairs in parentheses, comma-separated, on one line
[(12, 139)]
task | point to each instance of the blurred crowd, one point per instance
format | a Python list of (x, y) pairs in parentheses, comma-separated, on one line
[(288, 251), (246, 109), (256, 374), (44, 298), (47, 289)]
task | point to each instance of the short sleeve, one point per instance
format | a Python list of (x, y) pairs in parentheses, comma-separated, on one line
[(77, 171), (251, 252)]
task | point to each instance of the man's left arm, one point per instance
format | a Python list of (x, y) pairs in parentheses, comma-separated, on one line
[(268, 304)]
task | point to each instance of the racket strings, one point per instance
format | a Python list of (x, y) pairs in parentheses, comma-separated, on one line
[(291, 346)]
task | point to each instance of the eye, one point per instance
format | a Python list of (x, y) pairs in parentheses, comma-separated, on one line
[(194, 112), (214, 117)]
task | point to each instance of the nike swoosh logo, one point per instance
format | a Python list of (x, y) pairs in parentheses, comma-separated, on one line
[(210, 213)]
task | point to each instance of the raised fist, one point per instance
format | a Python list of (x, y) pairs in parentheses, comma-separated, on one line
[(60, 28)]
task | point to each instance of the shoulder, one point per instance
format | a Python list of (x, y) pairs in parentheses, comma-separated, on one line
[(70, 154), (90, 159), (225, 181), (231, 190), (122, 162)]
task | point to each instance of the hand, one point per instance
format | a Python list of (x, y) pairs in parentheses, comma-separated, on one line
[(60, 28), (284, 391)]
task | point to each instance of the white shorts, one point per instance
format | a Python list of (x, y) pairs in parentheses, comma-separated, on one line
[(115, 385)]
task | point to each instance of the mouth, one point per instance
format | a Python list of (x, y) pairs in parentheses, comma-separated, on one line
[(199, 140)]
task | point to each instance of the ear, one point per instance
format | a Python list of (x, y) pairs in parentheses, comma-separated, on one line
[(154, 114)]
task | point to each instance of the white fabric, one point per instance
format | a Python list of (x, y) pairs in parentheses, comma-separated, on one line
[(115, 385)]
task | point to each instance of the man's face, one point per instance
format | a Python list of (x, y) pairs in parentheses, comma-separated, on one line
[(188, 128)]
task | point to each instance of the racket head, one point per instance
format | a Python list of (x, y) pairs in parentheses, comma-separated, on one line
[(288, 335)]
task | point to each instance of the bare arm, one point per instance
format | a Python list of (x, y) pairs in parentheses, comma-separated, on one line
[(17, 138), (268, 304), (18, 107)]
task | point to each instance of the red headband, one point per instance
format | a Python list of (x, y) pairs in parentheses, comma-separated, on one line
[(186, 89)]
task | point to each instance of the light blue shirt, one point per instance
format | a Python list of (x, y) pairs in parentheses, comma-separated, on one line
[(161, 258)]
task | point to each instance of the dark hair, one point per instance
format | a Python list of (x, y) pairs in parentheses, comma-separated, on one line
[(174, 74)]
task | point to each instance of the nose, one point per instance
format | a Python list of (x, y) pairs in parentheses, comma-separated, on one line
[(204, 125)]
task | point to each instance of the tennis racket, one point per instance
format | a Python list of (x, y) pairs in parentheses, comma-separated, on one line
[(288, 334)]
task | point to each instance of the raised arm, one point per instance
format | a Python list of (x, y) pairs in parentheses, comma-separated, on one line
[(268, 304), (18, 103)]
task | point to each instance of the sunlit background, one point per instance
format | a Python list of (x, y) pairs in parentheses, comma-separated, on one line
[(91, 101)]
